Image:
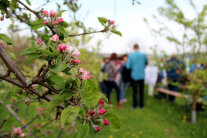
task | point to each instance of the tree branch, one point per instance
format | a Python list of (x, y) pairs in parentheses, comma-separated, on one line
[(13, 81), (12, 67), (101, 31), (16, 116)]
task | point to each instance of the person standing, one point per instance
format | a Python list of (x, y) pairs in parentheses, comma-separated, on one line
[(137, 62), (124, 79), (151, 75), (111, 69)]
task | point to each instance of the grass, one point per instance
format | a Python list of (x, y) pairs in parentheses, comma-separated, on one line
[(158, 119)]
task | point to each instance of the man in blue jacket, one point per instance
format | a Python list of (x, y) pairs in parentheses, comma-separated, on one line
[(137, 62)]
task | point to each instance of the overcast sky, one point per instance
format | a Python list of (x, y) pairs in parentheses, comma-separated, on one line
[(129, 19)]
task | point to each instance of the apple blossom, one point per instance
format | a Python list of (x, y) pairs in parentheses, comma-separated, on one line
[(101, 102), (46, 22), (60, 20), (55, 22), (39, 41), (81, 70), (52, 13), (106, 122), (77, 62), (112, 22), (62, 47), (101, 111), (91, 112), (45, 13), (55, 38), (17, 130), (76, 53)]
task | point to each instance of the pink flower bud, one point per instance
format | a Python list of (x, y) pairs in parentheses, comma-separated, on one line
[(101, 111), (2, 44), (106, 122), (17, 130), (86, 75), (39, 41), (55, 22), (46, 22), (112, 22), (77, 62), (91, 112), (62, 47), (81, 70), (2, 18), (11, 100), (45, 13), (101, 102), (98, 128), (22, 135), (52, 13), (55, 38), (60, 20), (76, 53), (109, 20)]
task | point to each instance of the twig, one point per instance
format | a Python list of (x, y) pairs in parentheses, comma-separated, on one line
[(8, 79), (30, 121), (12, 67), (2, 123), (61, 131), (47, 124), (16, 116), (101, 31)]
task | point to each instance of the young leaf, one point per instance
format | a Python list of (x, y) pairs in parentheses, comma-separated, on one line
[(59, 14), (82, 130), (37, 24), (28, 2), (54, 103), (114, 121), (116, 32), (6, 39), (102, 20), (28, 51), (59, 68), (57, 80), (69, 114), (33, 57), (46, 52)]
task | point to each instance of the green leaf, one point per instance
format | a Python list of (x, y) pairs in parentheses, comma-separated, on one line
[(114, 121), (13, 4), (90, 94), (46, 52), (37, 24), (54, 50), (64, 24), (6, 39), (33, 57), (102, 20), (82, 130), (28, 51), (54, 103), (69, 114), (66, 95), (116, 32), (59, 68), (28, 2), (59, 14), (57, 80)]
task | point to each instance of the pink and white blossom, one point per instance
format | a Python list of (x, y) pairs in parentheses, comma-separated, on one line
[(46, 22), (76, 53), (77, 62), (55, 22), (81, 70), (60, 20), (45, 13), (62, 47), (39, 41), (55, 38), (86, 75), (52, 13), (17, 130)]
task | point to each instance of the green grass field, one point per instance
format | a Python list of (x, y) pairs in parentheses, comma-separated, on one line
[(158, 119)]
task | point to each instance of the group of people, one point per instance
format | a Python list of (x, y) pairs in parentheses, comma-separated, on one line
[(120, 74)]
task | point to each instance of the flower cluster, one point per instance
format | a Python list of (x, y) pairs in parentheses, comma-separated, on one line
[(96, 116), (84, 74), (51, 18), (18, 132)]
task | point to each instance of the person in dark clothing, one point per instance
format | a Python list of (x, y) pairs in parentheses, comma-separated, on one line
[(174, 67), (111, 70)]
